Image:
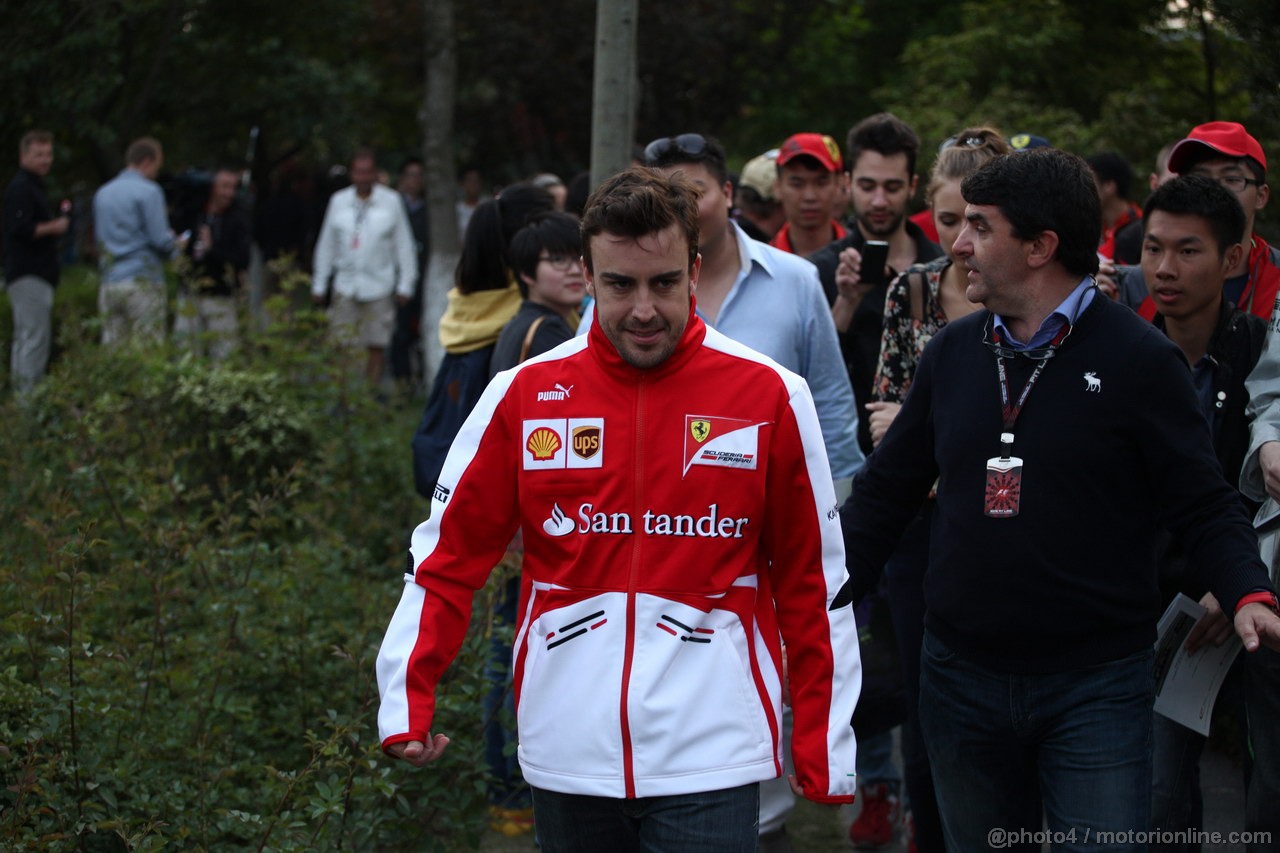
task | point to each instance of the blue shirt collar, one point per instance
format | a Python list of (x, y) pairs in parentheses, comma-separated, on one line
[(1071, 308)]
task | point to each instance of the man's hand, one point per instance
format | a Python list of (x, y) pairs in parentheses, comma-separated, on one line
[(418, 753), (317, 298), (849, 288), (1257, 623), (1269, 459), (1108, 281), (53, 228), (402, 300), (882, 414), (1213, 626)]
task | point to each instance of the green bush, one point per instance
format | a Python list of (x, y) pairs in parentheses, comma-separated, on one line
[(199, 562)]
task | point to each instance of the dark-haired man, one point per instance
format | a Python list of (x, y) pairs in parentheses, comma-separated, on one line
[(809, 186), (1114, 177), (1192, 240), (1226, 152), (134, 241), (1036, 678), (679, 525), (882, 153), (31, 234)]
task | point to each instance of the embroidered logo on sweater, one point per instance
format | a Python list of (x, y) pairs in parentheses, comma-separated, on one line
[(1092, 382), (721, 442)]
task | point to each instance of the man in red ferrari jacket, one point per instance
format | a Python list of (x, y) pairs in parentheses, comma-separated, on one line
[(679, 524)]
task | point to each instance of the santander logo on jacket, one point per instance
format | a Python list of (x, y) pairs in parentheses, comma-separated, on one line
[(664, 512)]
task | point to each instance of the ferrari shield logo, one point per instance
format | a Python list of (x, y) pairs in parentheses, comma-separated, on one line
[(700, 430)]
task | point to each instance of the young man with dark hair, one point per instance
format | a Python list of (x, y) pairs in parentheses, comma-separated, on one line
[(1114, 177), (32, 230), (882, 153), (1193, 227), (808, 184), (1036, 677), (679, 526), (1226, 152)]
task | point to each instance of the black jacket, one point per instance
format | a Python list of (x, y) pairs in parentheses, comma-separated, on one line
[(860, 343), (216, 273), (1234, 349), (26, 205)]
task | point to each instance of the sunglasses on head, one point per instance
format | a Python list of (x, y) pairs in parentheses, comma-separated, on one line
[(688, 144)]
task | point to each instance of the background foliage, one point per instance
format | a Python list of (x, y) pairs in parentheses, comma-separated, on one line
[(199, 562), (321, 77)]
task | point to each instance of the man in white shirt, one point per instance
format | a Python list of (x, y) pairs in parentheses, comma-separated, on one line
[(366, 246)]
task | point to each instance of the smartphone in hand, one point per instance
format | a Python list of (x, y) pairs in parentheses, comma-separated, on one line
[(875, 255)]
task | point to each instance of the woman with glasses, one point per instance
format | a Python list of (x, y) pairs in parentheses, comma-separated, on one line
[(919, 303)]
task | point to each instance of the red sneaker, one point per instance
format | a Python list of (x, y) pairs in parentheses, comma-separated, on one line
[(877, 822)]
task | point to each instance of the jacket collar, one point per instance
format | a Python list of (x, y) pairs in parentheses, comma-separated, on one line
[(606, 354)]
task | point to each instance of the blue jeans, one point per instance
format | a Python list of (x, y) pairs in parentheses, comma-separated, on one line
[(1176, 803), (1004, 747), (1262, 704), (724, 821)]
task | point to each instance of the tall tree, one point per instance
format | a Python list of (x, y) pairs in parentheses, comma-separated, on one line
[(438, 154)]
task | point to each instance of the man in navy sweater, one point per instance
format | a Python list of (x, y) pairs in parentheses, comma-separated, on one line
[(1062, 430)]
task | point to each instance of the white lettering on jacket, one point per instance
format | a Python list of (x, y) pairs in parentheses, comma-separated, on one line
[(708, 526)]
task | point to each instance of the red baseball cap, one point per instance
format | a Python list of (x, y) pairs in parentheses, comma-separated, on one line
[(1226, 138), (819, 146)]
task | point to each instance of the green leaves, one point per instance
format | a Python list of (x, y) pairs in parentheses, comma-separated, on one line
[(203, 558)]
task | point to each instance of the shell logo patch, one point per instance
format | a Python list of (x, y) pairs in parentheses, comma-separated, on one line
[(543, 443), (721, 442), (547, 442)]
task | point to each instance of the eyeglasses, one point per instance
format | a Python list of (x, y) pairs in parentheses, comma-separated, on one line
[(1235, 183), (561, 263), (688, 144)]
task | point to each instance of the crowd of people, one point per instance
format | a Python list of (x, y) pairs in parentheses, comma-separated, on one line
[(712, 422)]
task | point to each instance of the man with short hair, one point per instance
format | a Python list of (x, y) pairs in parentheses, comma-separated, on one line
[(134, 241), (1193, 227), (31, 235), (218, 254), (679, 526), (367, 246), (882, 153), (1114, 177), (1037, 676), (810, 174), (1226, 152)]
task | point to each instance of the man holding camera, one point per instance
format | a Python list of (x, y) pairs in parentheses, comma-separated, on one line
[(882, 153)]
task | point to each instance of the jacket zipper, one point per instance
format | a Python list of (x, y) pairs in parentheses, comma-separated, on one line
[(633, 573)]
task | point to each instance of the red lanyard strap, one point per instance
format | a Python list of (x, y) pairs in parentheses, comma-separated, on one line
[(1011, 411)]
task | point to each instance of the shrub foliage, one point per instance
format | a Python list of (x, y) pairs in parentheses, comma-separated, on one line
[(199, 561)]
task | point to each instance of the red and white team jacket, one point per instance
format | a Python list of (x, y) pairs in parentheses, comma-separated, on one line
[(679, 525)]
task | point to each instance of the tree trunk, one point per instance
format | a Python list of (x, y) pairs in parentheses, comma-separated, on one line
[(437, 154), (614, 101)]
